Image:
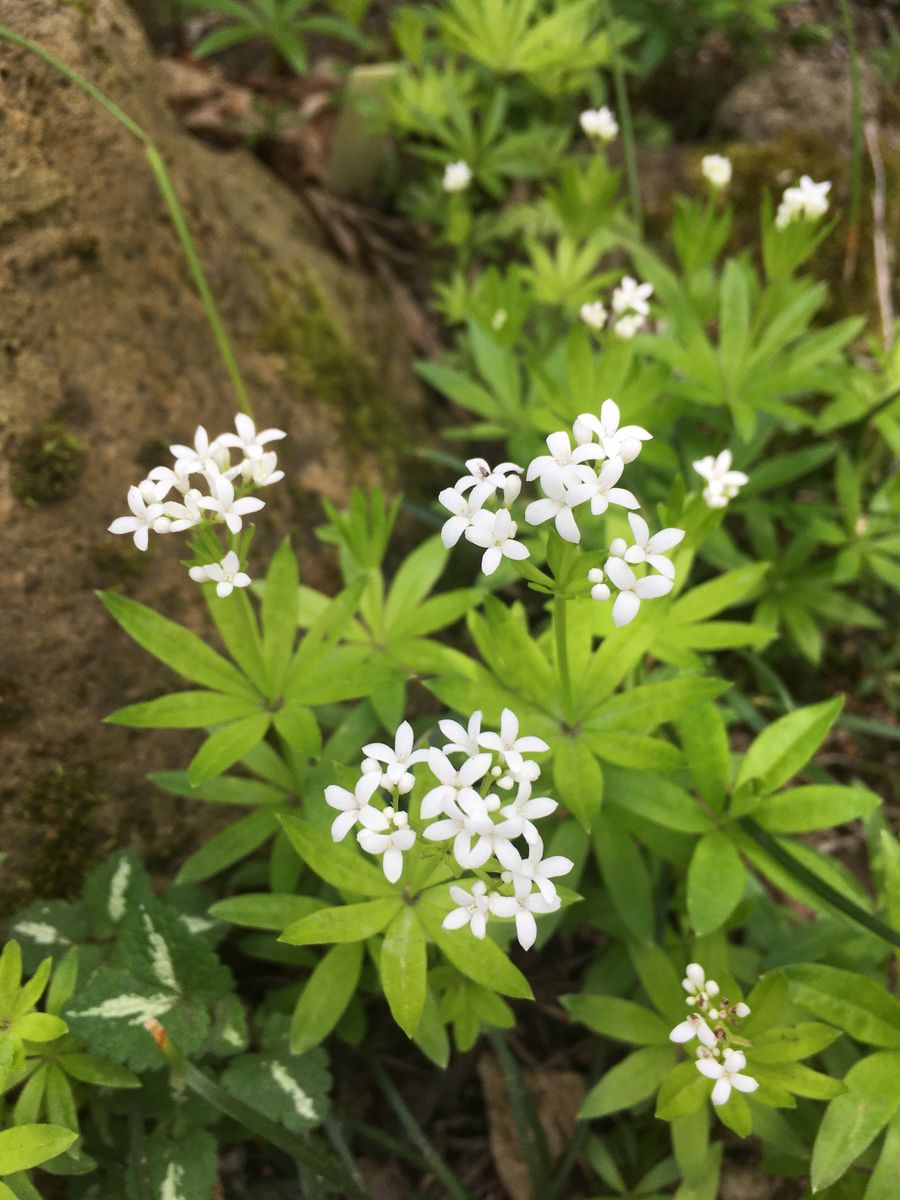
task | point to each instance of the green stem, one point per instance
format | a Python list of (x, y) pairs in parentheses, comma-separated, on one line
[(562, 653), (804, 875), (624, 111), (167, 191), (856, 138)]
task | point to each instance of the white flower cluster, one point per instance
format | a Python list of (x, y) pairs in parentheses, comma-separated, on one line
[(457, 176), (630, 309), (599, 123), (806, 202), (584, 467), (712, 1023), (716, 170), (722, 484), (482, 833), (216, 497)]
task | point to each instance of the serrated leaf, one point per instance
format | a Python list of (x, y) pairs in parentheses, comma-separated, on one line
[(182, 1168), (292, 1090)]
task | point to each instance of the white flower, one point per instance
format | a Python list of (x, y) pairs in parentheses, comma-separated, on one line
[(226, 575), (178, 478), (484, 481), (222, 501), (524, 811), (600, 590), (473, 909), (651, 550), (631, 296), (564, 460), (197, 459), (145, 516), (453, 782), (523, 909), (807, 201), (470, 824), (187, 514), (615, 442), (727, 1075), (594, 315), (716, 170), (457, 176), (632, 590), (533, 870), (387, 833), (463, 509), (599, 123), (694, 1026), (350, 804), (399, 757), (262, 471), (723, 484), (496, 534), (629, 326), (507, 742), (558, 505), (741, 1009), (463, 740), (604, 490), (696, 984), (247, 440)]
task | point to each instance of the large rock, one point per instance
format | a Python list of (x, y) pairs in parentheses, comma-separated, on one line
[(105, 358)]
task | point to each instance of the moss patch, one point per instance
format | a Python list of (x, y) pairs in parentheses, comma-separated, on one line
[(46, 465), (320, 359)]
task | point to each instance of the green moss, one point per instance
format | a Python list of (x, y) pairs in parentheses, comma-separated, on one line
[(46, 465), (320, 360), (62, 844), (13, 702)]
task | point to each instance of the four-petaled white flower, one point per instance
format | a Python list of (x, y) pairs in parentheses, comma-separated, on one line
[(496, 534), (457, 176), (623, 442), (145, 516), (523, 909), (594, 315), (250, 442), (464, 510), (722, 484), (223, 501), (533, 871), (651, 550), (188, 513), (694, 1026), (629, 326), (485, 480), (807, 201), (521, 814), (727, 1075), (564, 460), (197, 459), (604, 490), (558, 503), (350, 804), (386, 833), (632, 590), (226, 575), (599, 123), (507, 742), (631, 296), (262, 471), (463, 739), (398, 758), (716, 170), (472, 909), (453, 781)]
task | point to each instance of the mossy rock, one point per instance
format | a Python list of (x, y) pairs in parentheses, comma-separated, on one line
[(46, 465)]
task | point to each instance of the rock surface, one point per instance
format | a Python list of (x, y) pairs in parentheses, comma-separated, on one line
[(105, 359)]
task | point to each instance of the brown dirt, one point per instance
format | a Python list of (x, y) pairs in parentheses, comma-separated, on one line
[(105, 358)]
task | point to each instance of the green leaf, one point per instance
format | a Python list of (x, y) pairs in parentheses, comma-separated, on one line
[(629, 1082), (300, 729), (883, 1181), (344, 869), (176, 646), (620, 1019), (655, 798), (28, 1146), (224, 789), (715, 882), (288, 1089), (227, 746), (229, 845), (625, 875), (704, 739), (578, 778), (325, 996), (183, 1167), (792, 1042), (403, 965), (264, 910), (853, 1121), (431, 1034), (414, 579), (787, 745), (343, 923), (683, 1091), (279, 614), (652, 704), (862, 1008), (185, 710), (40, 1027), (480, 960), (814, 807), (659, 979), (235, 620), (89, 1069)]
